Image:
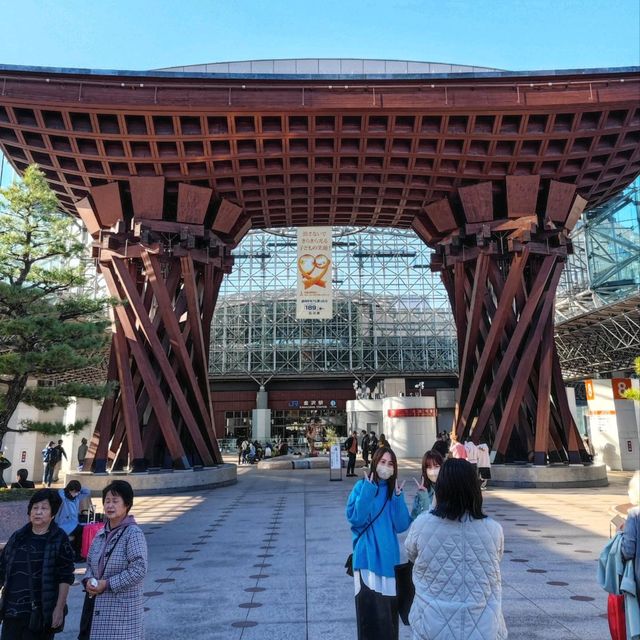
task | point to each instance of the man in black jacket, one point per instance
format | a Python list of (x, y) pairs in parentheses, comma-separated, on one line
[(364, 447), (351, 445)]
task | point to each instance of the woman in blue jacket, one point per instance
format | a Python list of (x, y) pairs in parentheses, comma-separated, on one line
[(377, 513)]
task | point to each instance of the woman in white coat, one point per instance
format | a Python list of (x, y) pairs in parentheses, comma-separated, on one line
[(456, 551)]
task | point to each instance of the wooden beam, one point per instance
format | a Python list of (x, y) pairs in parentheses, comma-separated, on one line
[(160, 357), (158, 402)]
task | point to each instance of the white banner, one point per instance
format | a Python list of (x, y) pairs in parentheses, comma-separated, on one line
[(314, 295)]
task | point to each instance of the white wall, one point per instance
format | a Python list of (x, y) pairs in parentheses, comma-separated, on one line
[(613, 424), (24, 449), (410, 436)]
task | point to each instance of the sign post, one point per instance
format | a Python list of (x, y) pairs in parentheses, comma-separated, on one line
[(335, 463)]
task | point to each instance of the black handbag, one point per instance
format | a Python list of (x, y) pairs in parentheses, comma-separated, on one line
[(405, 589), (348, 565)]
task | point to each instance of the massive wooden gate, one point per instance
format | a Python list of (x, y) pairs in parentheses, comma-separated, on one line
[(485, 167)]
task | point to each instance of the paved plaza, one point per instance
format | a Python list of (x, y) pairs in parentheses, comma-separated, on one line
[(264, 559)]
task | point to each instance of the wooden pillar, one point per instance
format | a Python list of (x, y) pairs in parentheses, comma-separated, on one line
[(501, 267), (166, 267)]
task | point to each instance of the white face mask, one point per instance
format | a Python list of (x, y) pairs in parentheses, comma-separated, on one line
[(384, 472), (432, 474)]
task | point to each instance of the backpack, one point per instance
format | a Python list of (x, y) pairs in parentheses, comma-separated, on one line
[(51, 455), (347, 443)]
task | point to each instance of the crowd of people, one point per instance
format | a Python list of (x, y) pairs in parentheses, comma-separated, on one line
[(37, 568)]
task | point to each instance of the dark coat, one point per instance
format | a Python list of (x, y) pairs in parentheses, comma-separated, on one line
[(57, 565)]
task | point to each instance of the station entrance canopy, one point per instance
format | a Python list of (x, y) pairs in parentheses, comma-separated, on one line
[(169, 170)]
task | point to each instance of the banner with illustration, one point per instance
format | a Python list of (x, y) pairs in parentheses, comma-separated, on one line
[(314, 295)]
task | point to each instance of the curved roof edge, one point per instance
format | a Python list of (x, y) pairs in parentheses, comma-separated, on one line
[(168, 75), (331, 66)]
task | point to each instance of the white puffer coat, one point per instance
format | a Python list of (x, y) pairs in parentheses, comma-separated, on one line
[(457, 578)]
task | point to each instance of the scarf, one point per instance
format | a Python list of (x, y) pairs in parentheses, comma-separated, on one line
[(110, 534)]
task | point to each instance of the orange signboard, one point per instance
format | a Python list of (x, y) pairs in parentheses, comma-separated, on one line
[(620, 385)]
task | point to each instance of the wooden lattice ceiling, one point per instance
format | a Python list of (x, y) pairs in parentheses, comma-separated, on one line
[(306, 151)]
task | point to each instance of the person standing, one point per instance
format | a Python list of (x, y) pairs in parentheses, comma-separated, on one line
[(4, 464), (440, 445), (50, 459), (58, 465), (116, 567), (373, 443), (456, 550), (351, 445), (456, 448), (377, 513), (424, 499), (82, 453), (630, 546), (36, 568), (364, 447)]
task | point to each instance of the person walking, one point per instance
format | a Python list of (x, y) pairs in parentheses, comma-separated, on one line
[(36, 571), (50, 459), (364, 447), (82, 453), (456, 550), (351, 445), (424, 499), (116, 566), (377, 513)]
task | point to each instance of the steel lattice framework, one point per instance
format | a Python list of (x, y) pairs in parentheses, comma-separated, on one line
[(602, 341), (391, 314)]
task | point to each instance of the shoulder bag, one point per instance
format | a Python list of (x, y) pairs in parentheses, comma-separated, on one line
[(348, 565)]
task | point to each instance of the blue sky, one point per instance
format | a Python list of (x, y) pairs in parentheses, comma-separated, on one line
[(147, 34)]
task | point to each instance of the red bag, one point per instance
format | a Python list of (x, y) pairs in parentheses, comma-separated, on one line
[(89, 532), (615, 615)]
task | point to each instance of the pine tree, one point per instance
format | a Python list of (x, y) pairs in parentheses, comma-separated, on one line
[(46, 327)]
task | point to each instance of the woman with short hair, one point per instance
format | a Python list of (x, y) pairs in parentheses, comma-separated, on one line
[(36, 571), (21, 480), (458, 599), (116, 567)]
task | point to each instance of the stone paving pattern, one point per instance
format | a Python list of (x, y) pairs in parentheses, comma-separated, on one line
[(264, 559)]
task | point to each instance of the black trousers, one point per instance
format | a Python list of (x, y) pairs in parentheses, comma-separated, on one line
[(75, 538), (351, 463), (18, 629), (376, 615)]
